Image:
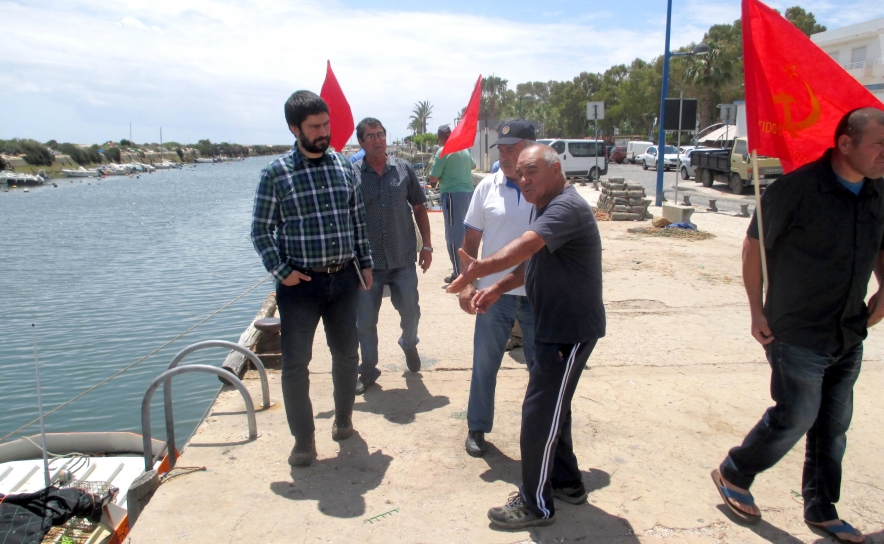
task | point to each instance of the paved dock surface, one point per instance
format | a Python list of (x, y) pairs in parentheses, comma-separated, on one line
[(676, 382)]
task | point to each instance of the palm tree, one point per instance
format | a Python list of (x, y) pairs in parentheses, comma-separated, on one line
[(708, 74), (420, 115)]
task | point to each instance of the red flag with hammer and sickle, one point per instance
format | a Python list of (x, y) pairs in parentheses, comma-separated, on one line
[(339, 114), (795, 92)]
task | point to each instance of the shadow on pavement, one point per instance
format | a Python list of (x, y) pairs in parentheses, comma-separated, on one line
[(340, 483), (397, 405), (763, 528)]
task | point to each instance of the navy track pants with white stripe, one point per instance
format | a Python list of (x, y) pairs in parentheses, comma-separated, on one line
[(548, 458)]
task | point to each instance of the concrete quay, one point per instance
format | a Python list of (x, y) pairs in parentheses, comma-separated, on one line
[(676, 382)]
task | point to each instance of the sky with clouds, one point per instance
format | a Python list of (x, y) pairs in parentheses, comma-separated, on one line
[(82, 70)]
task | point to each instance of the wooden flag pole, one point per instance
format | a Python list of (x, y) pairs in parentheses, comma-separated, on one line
[(766, 284)]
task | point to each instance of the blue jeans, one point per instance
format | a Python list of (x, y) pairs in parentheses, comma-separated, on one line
[(454, 210), (404, 296), (331, 297), (813, 395), (492, 331)]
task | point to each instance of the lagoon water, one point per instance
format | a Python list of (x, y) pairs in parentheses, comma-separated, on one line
[(110, 271)]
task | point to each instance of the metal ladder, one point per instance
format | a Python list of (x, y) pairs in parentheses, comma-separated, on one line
[(174, 370)]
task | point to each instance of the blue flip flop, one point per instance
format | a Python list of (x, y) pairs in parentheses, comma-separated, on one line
[(729, 494), (833, 530)]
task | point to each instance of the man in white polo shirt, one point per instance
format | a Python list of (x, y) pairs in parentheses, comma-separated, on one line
[(498, 214)]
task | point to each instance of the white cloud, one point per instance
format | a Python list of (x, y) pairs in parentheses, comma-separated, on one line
[(132, 22), (223, 70)]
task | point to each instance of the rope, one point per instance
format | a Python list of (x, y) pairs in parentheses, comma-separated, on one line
[(99, 384)]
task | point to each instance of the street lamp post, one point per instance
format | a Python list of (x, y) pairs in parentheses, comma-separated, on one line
[(700, 49)]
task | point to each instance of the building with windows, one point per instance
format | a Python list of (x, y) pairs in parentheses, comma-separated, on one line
[(858, 48)]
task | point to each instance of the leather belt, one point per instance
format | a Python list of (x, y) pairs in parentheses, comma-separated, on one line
[(327, 269)]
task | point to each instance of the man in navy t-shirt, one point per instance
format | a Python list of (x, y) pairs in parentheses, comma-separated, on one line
[(563, 279)]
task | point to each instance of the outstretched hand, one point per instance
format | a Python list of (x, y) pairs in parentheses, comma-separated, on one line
[(485, 298), (469, 275)]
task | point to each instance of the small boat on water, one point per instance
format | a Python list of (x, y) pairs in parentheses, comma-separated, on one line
[(139, 167), (21, 179), (81, 173), (200, 161), (166, 165), (96, 463), (113, 170)]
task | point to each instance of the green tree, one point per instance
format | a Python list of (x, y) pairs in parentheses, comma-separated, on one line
[(421, 113), (426, 140), (36, 153), (708, 73), (804, 20), (494, 98)]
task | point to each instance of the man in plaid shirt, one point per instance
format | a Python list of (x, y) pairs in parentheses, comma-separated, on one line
[(309, 228)]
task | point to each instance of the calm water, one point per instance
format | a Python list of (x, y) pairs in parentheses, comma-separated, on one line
[(110, 271)]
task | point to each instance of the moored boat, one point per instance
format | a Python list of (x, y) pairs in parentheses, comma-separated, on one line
[(80, 173), (92, 462), (113, 170), (21, 179)]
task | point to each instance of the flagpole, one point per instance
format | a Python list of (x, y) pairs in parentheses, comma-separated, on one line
[(766, 284)]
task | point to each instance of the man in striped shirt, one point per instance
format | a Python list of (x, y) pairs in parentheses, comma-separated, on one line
[(309, 228)]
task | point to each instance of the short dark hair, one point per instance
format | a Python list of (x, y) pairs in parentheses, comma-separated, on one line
[(444, 130), (365, 123), (301, 105), (854, 123)]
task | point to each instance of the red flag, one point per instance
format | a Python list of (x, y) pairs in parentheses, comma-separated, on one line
[(464, 134), (795, 92), (340, 116)]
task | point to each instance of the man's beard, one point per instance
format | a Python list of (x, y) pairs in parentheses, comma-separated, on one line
[(319, 145)]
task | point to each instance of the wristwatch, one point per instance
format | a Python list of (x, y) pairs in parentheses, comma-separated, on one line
[(427, 248)]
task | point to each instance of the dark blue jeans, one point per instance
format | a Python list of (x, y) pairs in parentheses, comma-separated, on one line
[(332, 298), (454, 209), (404, 296), (813, 395), (493, 329)]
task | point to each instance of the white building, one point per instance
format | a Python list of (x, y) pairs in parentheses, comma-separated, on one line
[(858, 48)]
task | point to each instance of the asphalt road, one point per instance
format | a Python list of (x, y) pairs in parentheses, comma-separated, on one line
[(726, 201)]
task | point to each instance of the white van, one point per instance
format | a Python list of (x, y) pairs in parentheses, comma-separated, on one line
[(634, 149), (580, 158)]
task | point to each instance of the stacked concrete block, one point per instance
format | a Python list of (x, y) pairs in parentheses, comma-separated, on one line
[(624, 200)]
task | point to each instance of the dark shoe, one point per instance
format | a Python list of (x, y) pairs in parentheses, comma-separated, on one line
[(449, 278), (413, 360), (362, 385), (303, 453), (342, 428), (475, 444), (571, 495), (515, 515)]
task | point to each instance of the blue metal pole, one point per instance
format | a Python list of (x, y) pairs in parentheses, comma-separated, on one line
[(662, 145)]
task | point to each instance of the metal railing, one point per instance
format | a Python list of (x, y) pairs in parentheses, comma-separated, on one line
[(173, 370)]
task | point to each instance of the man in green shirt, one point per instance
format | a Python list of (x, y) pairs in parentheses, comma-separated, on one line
[(455, 181)]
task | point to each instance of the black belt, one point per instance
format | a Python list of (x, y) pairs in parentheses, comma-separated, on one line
[(331, 269)]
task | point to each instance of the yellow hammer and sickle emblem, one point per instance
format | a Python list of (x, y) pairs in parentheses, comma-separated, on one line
[(794, 127)]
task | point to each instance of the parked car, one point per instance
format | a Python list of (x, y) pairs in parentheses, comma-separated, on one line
[(636, 148), (618, 154), (648, 159), (580, 158), (688, 169)]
